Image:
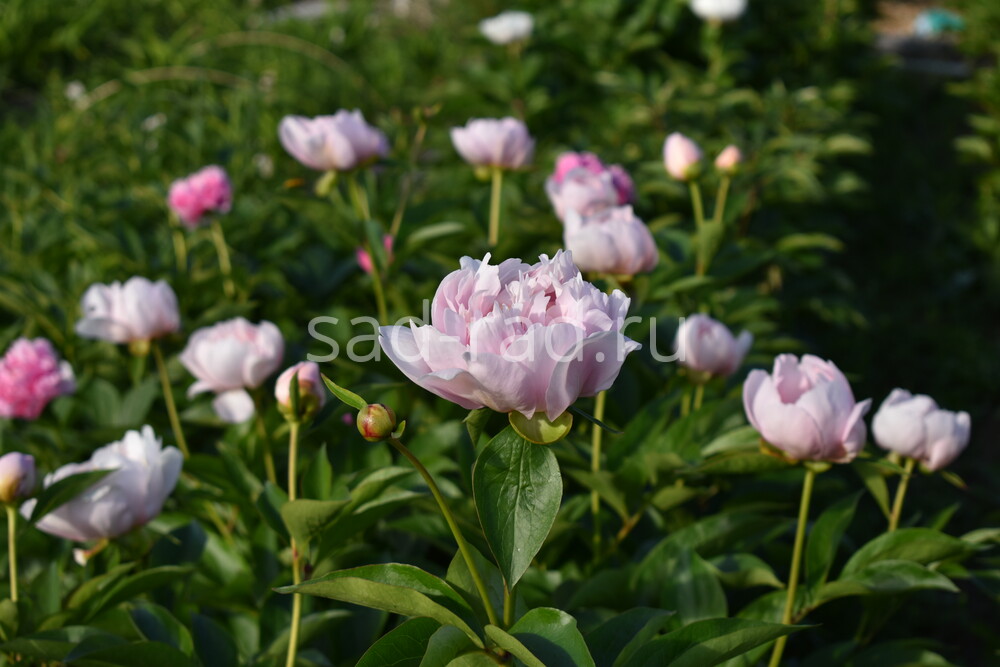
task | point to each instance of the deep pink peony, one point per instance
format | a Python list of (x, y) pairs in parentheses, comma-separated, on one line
[(806, 409), (515, 337), (200, 193), (612, 241), (31, 375)]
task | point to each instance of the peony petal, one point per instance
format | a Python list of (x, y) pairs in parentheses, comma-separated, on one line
[(234, 406)]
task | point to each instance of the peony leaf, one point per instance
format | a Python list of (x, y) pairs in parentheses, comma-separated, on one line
[(403, 646), (346, 396), (707, 643)]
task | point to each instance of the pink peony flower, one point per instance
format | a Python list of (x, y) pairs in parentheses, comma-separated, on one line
[(916, 427), (491, 142), (515, 337), (200, 193), (341, 142), (806, 409), (136, 311), (563, 191), (229, 358), (132, 496), (681, 156), (729, 159), (707, 346), (611, 241), (31, 375), (365, 260), (312, 393)]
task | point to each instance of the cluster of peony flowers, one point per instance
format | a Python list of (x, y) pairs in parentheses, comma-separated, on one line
[(515, 337), (145, 474), (230, 357), (31, 375), (341, 142), (204, 191)]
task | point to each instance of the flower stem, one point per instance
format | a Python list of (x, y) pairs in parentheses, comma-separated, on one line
[(595, 466), (358, 198), (793, 577), (293, 637), (404, 196), (508, 606), (897, 505), (12, 549), (463, 546), (699, 395), (168, 397), (383, 313), (720, 200), (180, 249), (686, 403), (699, 221), (495, 191), (265, 438), (223, 251)]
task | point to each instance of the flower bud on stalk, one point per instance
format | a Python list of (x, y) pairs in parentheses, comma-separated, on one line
[(299, 401), (376, 422), (17, 477)]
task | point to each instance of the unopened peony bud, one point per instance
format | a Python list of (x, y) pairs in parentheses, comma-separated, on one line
[(311, 396), (682, 157), (729, 159), (17, 477), (376, 422)]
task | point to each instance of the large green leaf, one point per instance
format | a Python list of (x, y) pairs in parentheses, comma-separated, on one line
[(157, 624), (708, 643), (52, 645), (690, 587), (445, 645), (403, 646), (133, 586), (305, 519), (517, 489), (741, 570), (886, 577), (545, 637), (614, 641), (921, 545), (874, 479), (397, 588), (824, 538)]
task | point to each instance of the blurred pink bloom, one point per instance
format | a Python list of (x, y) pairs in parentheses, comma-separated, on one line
[(138, 310), (681, 156), (569, 162), (707, 346), (341, 142), (515, 337), (806, 409), (719, 10), (492, 142), (312, 393), (612, 241), (729, 159), (17, 477), (581, 191), (365, 260), (916, 427), (31, 375), (204, 191), (347, 418), (230, 357), (145, 474)]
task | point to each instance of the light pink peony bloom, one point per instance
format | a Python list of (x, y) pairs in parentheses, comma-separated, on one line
[(916, 427), (707, 346), (312, 393), (612, 241), (570, 162), (230, 357), (365, 260), (515, 337), (492, 142), (581, 191), (17, 477), (507, 27), (200, 193), (719, 10), (145, 474), (136, 311), (729, 159), (806, 409), (31, 375), (681, 156), (341, 142)]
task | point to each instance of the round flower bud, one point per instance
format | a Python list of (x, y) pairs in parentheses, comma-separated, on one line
[(311, 396), (17, 476), (376, 422)]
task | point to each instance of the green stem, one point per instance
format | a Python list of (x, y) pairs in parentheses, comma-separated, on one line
[(793, 577), (495, 191), (686, 403), (897, 505), (720, 200), (404, 197), (383, 313), (168, 397), (223, 251), (12, 549), (508, 606), (463, 546), (595, 466), (359, 199), (266, 441), (293, 637), (699, 221), (180, 250), (699, 394)]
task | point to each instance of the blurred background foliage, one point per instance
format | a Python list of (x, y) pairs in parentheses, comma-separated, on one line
[(868, 211)]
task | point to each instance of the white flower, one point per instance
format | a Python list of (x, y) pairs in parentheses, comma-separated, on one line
[(507, 27), (123, 313), (145, 474), (719, 10)]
